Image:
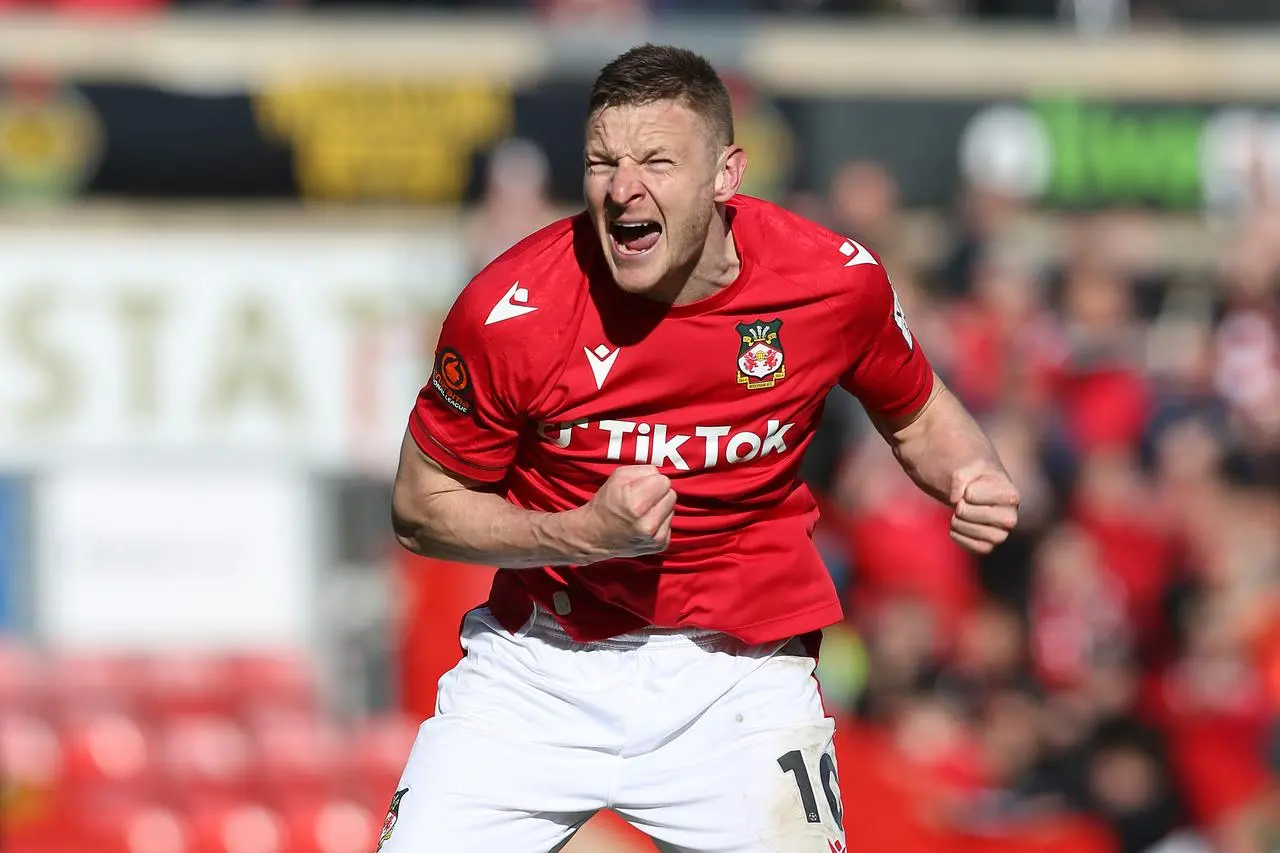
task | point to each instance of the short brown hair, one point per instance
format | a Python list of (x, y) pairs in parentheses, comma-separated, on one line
[(651, 73)]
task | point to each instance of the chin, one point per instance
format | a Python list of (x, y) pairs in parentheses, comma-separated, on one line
[(636, 281)]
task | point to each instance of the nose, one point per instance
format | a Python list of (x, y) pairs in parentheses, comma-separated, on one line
[(626, 186)]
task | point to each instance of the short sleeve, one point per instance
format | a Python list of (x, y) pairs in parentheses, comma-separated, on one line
[(469, 416), (888, 371)]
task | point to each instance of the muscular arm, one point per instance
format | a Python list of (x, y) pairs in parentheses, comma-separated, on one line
[(939, 440), (439, 515), (436, 514), (948, 456)]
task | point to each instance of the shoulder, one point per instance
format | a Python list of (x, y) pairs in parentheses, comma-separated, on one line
[(834, 267), (532, 287)]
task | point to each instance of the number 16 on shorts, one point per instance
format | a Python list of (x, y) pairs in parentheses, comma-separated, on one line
[(793, 762), (814, 786)]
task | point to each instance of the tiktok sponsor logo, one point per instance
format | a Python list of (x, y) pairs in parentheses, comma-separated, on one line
[(636, 442)]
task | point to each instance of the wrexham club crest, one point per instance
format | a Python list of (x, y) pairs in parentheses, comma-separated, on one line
[(761, 362), (393, 816)]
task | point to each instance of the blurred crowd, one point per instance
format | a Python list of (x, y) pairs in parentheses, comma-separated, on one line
[(1119, 657), (186, 752)]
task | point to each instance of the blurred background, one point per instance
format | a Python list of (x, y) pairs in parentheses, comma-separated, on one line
[(229, 232)]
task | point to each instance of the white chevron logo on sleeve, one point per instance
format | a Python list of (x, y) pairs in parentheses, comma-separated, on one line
[(857, 255), (512, 304)]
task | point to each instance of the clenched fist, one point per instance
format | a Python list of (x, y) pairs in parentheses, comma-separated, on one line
[(631, 514), (986, 507)]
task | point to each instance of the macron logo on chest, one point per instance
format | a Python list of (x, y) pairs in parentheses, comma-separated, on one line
[(601, 360), (514, 303)]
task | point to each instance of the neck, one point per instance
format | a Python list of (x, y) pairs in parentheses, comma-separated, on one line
[(714, 268)]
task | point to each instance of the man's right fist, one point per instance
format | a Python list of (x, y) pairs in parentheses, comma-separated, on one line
[(631, 514)]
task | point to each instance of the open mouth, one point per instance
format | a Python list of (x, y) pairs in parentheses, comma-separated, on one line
[(634, 238)]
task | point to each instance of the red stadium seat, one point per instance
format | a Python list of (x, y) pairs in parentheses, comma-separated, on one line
[(376, 753), (244, 827), (152, 829), (31, 781), (29, 751), (279, 680), (298, 756), (129, 826), (14, 844), (85, 684), (333, 826), (189, 684), (203, 759), (107, 753)]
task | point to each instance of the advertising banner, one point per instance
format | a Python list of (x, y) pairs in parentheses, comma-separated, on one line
[(141, 557), (299, 343), (425, 142)]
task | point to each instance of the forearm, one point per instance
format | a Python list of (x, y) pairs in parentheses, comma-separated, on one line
[(467, 526), (941, 441)]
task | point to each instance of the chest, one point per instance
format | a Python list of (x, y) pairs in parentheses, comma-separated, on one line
[(688, 394)]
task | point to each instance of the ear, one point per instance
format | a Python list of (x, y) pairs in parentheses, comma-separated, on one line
[(731, 166)]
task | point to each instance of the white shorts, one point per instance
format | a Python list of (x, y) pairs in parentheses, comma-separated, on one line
[(700, 741)]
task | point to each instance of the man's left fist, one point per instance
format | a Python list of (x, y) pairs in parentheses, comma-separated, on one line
[(986, 507)]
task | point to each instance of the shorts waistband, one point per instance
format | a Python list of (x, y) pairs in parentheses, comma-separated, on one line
[(544, 624)]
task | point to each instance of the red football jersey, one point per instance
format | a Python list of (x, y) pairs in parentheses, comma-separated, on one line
[(548, 377)]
